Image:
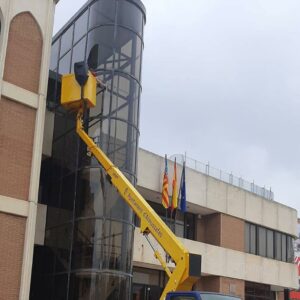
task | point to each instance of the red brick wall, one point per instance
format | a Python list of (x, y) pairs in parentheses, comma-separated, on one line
[(208, 284), (232, 286), (12, 231), (24, 53), (212, 229), (221, 230), (232, 233), (17, 123)]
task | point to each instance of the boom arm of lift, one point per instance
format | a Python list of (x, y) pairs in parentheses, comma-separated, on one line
[(187, 266)]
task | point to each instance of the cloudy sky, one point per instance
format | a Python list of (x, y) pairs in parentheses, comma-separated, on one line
[(221, 82)]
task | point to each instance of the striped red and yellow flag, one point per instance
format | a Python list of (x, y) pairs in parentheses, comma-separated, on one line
[(174, 190), (165, 193)]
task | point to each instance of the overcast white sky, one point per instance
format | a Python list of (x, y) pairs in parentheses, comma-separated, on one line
[(221, 81)]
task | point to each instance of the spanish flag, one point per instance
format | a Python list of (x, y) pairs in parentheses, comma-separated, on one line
[(165, 193), (174, 189)]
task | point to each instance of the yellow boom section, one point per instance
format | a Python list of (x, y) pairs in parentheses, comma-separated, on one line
[(150, 221)]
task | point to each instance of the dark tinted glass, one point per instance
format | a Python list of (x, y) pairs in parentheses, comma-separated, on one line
[(54, 55), (60, 282), (270, 244), (247, 237), (128, 52), (99, 285), (90, 202), (102, 12), (64, 66), (78, 52), (130, 15), (100, 48), (80, 26), (283, 247), (189, 226), (262, 239), (278, 250), (66, 41), (253, 239), (290, 249)]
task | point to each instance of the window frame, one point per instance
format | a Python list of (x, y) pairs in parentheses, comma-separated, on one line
[(278, 249)]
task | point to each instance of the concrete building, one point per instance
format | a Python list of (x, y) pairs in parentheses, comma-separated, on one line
[(25, 43), (245, 239)]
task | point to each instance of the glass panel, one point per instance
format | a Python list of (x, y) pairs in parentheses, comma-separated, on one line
[(65, 64), (67, 194), (290, 249), (253, 239), (247, 237), (283, 247), (128, 52), (90, 202), (60, 283), (81, 26), (54, 55), (262, 249), (179, 228), (270, 243), (101, 244), (78, 53), (58, 239), (278, 245), (103, 285), (189, 226), (101, 48), (130, 15), (66, 41), (87, 246), (102, 12)]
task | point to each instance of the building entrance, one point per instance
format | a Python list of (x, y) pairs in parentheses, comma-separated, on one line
[(146, 292), (256, 291)]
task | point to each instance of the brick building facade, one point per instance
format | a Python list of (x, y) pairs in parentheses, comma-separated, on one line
[(25, 39)]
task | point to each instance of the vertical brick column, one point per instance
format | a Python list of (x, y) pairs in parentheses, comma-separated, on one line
[(17, 130)]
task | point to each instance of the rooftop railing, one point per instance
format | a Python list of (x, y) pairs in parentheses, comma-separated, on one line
[(224, 176)]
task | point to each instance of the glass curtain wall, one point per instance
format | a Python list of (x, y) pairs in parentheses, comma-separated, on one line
[(89, 230)]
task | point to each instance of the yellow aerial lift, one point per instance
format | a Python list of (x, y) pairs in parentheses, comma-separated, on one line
[(79, 92)]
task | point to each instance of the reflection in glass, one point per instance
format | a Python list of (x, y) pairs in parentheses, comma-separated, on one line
[(278, 250), (66, 41), (80, 26), (78, 52), (270, 243), (65, 64)]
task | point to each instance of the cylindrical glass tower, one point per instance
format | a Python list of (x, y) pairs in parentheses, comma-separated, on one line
[(103, 237), (89, 227)]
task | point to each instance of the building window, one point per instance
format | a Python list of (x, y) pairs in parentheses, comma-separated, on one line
[(262, 241), (257, 291), (283, 247), (290, 249), (250, 238), (183, 225), (278, 245), (268, 243)]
